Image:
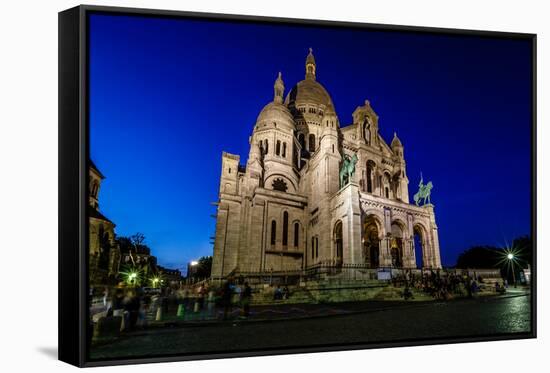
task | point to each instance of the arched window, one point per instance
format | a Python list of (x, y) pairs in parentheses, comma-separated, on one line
[(338, 243), (273, 232), (312, 247), (387, 184), (302, 140), (266, 149), (312, 143), (285, 228), (284, 149), (296, 234), (94, 189), (333, 148), (278, 148)]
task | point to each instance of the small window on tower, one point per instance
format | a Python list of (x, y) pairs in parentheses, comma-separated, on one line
[(311, 143)]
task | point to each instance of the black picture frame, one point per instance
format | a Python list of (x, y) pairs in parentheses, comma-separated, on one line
[(73, 181)]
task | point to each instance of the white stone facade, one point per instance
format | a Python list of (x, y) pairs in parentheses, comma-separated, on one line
[(285, 211)]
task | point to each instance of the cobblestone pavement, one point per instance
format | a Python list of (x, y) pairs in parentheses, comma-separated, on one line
[(461, 318)]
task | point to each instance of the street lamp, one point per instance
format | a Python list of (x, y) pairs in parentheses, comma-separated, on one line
[(133, 277), (510, 257)]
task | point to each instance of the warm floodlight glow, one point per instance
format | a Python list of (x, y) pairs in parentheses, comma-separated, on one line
[(194, 263)]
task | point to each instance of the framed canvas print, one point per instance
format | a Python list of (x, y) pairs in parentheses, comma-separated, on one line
[(239, 186)]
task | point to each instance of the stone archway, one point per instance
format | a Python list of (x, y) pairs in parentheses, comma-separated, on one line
[(397, 244), (371, 241), (420, 245)]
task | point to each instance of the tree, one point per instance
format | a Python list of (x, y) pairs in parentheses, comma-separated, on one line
[(133, 244), (204, 267), (523, 250), (479, 257)]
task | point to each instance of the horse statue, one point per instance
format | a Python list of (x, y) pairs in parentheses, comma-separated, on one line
[(424, 192), (348, 169)]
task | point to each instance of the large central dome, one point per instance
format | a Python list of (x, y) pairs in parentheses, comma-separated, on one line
[(309, 91)]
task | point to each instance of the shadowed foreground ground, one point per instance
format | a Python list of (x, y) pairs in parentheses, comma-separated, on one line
[(461, 318)]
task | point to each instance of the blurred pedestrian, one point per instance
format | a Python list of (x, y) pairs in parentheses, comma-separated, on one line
[(246, 299), (227, 294)]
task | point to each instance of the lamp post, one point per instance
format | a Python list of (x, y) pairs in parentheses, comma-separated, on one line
[(192, 266), (155, 282), (133, 278), (510, 257)]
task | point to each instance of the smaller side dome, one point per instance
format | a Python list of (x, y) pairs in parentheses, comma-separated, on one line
[(275, 113), (396, 143)]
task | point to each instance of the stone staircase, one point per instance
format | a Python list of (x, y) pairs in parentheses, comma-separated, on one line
[(325, 291), (390, 293), (298, 295)]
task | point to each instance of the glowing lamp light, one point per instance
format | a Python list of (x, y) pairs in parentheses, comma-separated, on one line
[(510, 256), (133, 275), (194, 263)]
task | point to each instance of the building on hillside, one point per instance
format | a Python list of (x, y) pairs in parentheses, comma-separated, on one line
[(170, 277), (294, 206), (103, 250)]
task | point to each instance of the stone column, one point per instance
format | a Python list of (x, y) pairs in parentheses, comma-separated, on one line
[(434, 259), (352, 226), (409, 260), (385, 253)]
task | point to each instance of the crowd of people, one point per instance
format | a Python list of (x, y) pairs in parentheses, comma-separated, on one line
[(441, 286), (137, 306), (200, 302)]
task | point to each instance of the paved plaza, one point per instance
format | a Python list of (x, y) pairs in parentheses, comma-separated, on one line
[(383, 322)]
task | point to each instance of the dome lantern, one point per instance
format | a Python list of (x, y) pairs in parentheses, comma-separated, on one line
[(310, 65)]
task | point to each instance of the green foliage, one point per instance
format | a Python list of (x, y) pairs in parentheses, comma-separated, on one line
[(134, 244), (479, 257), (493, 257), (132, 275), (204, 267), (523, 246)]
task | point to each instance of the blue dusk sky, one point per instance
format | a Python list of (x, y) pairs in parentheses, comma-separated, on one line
[(167, 96)]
